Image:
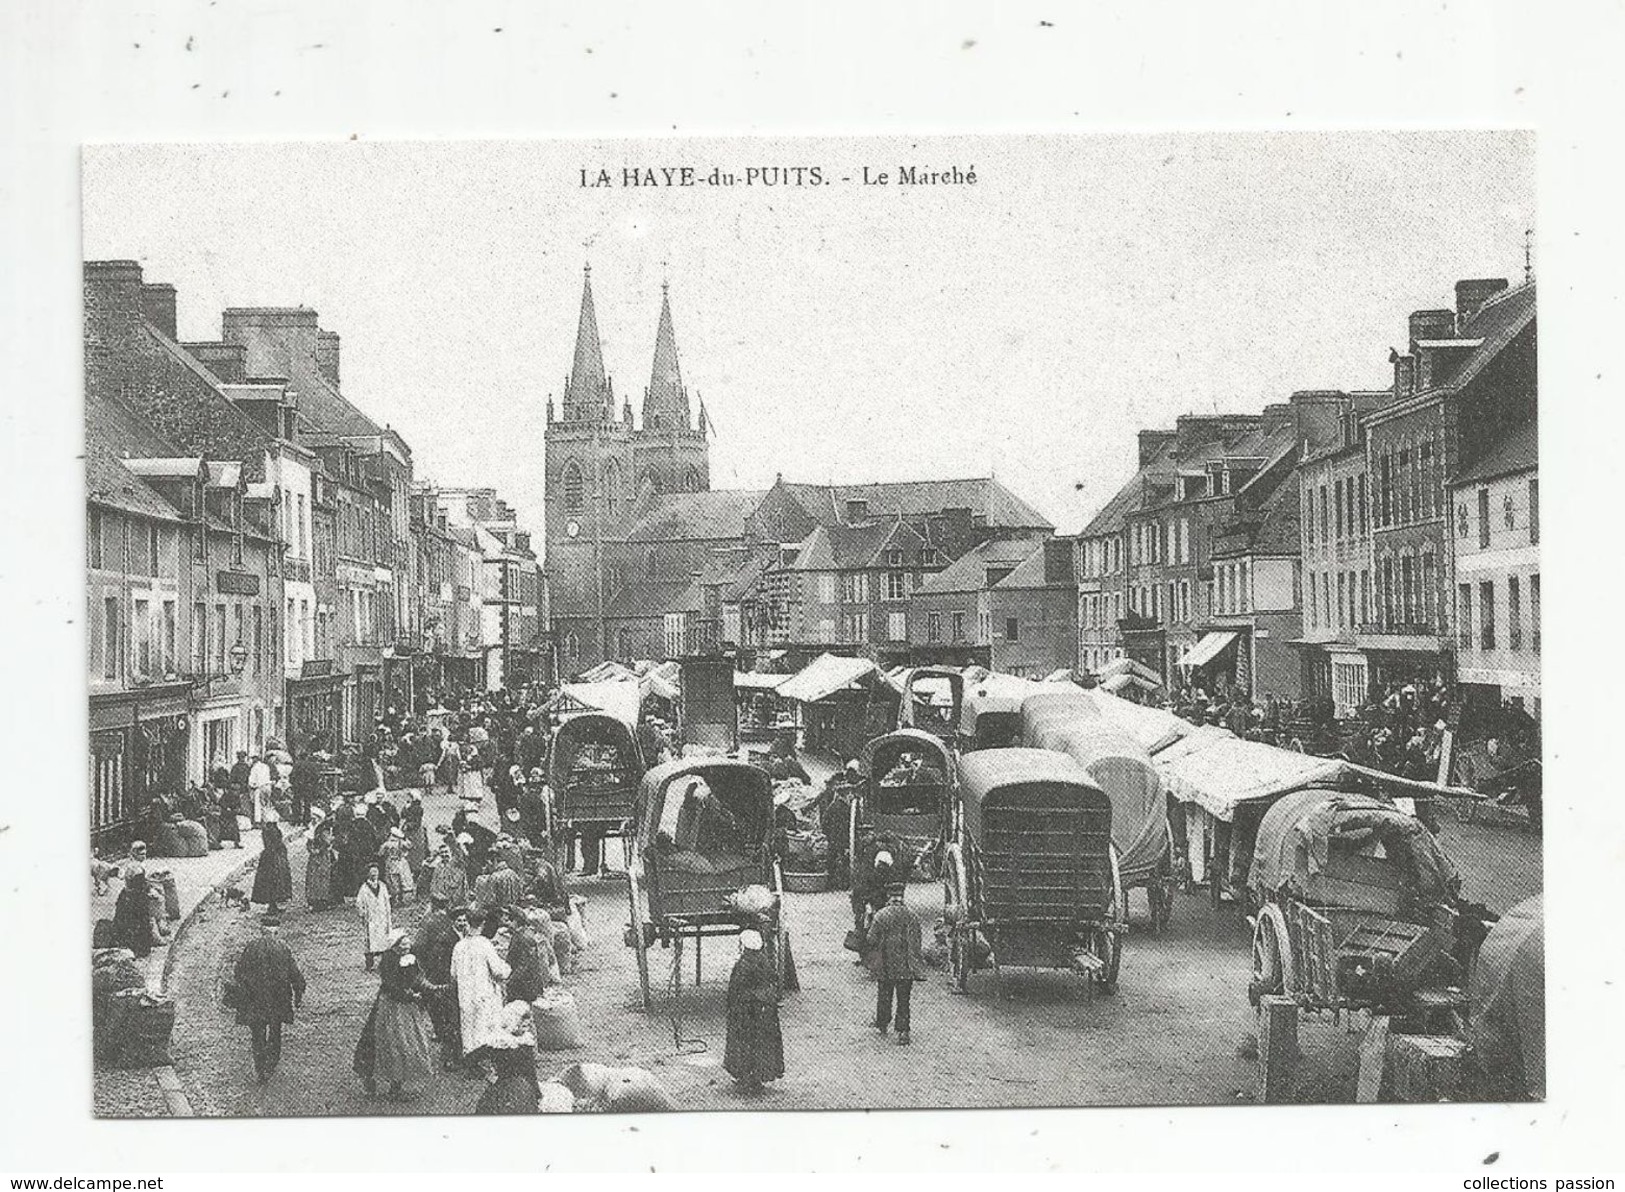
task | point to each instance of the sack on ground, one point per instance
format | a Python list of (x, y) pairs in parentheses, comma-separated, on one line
[(853, 942), (558, 1024), (751, 901), (577, 923), (553, 1097), (139, 1026), (636, 1090), (101, 935)]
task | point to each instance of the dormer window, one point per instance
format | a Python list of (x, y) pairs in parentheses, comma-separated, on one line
[(894, 557), (928, 557)]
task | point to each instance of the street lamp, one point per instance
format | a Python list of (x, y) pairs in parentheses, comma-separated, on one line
[(239, 658)]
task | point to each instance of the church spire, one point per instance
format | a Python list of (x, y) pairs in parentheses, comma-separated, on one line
[(586, 396), (665, 404)]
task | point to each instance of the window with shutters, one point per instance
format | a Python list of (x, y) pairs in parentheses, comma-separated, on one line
[(897, 627), (1464, 615), (1486, 614), (933, 627), (1514, 614), (1483, 518)]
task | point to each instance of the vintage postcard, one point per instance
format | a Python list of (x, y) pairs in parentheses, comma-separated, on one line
[(782, 624)]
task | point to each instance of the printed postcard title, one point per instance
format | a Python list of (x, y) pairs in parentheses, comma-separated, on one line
[(787, 177)]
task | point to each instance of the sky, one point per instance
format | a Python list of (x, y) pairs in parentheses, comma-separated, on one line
[(1024, 326)]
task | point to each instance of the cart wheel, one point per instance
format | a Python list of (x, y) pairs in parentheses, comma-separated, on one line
[(1271, 960), (1105, 943), (956, 910), (640, 939)]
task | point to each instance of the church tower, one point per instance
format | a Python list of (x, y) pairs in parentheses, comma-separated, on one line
[(670, 452), (589, 455)]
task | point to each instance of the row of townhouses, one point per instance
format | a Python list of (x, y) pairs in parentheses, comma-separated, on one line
[(1334, 542), (262, 563), (1339, 542)]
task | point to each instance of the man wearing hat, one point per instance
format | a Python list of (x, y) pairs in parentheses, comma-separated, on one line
[(265, 988), (894, 954)]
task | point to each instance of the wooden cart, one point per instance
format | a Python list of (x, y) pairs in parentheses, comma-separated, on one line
[(1357, 907), (703, 832), (594, 766), (1030, 875), (908, 804)]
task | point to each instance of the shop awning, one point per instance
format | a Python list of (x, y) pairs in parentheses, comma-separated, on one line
[(825, 675), (1206, 650)]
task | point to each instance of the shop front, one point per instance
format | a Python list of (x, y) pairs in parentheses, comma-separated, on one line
[(138, 749), (314, 706)]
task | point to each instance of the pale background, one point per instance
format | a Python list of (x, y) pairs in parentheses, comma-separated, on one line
[(1027, 325), (384, 70)]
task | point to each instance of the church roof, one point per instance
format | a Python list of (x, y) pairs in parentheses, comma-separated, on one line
[(982, 495), (665, 402), (690, 517), (654, 598), (586, 394)]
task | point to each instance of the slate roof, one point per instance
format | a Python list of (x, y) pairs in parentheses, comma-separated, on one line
[(653, 598), (690, 517), (114, 431), (841, 547), (982, 495), (1029, 575), (746, 580), (1518, 452), (1497, 323), (968, 573)]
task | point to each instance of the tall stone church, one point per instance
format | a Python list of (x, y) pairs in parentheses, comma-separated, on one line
[(604, 471)]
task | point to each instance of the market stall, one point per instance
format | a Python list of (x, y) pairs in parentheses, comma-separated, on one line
[(842, 703)]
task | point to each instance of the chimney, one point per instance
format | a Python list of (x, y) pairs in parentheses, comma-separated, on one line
[(278, 341), (327, 355), (1432, 324), (1404, 374), (1472, 293), (1152, 441), (857, 510), (1058, 567), (228, 362), (158, 305)]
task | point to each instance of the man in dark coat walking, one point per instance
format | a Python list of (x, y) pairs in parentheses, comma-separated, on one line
[(265, 987), (894, 944), (305, 786)]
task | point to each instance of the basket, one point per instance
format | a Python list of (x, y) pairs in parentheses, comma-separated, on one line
[(806, 883)]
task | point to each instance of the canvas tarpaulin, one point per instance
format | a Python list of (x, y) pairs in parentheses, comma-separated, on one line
[(1296, 836), (1071, 723), (1507, 995)]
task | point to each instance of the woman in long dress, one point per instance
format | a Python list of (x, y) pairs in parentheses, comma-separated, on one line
[(319, 867), (132, 915), (471, 778), (273, 879), (417, 837), (396, 1045), (755, 1050)]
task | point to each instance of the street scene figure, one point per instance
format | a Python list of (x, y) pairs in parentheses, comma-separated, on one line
[(373, 907), (755, 1044), (266, 988), (894, 943)]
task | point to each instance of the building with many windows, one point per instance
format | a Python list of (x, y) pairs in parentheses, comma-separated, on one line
[(1496, 548)]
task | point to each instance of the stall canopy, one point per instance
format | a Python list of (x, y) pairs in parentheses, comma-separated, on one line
[(756, 681), (827, 674), (1154, 728), (659, 679), (1218, 771), (621, 698), (1121, 682), (1206, 650), (1127, 666)]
